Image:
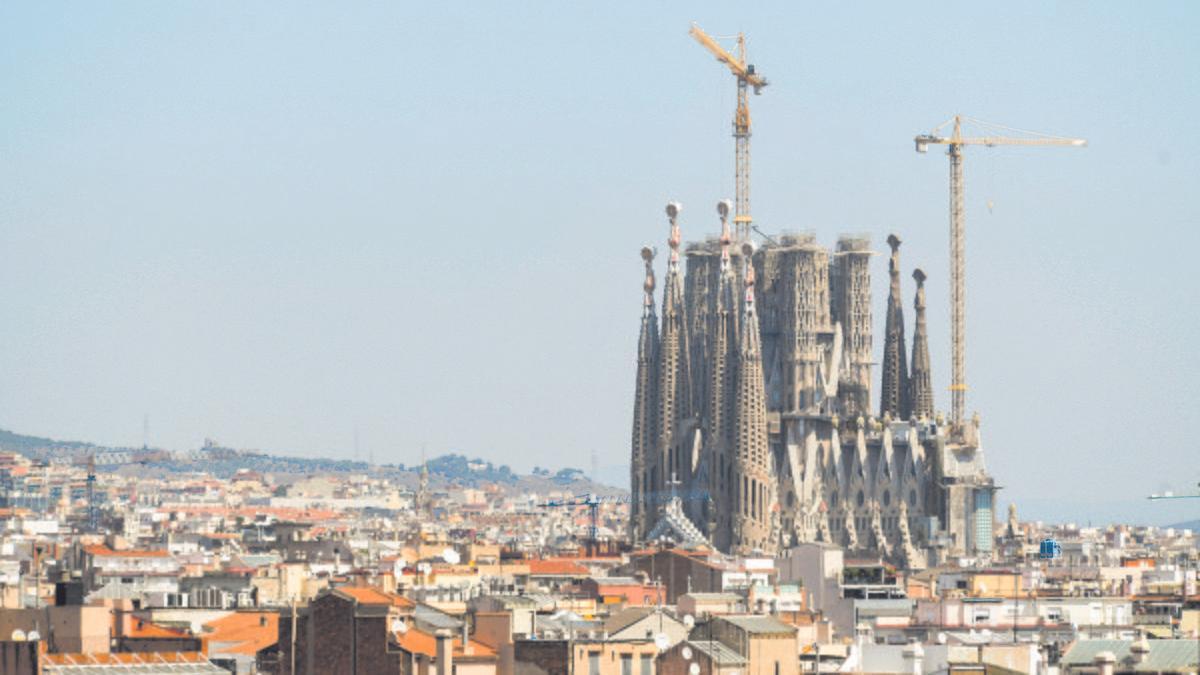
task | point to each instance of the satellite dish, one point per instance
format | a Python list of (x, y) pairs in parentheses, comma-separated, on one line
[(18, 635), (33, 636), (662, 642), (451, 556), (694, 669), (689, 621), (398, 626), (686, 653), (941, 638)]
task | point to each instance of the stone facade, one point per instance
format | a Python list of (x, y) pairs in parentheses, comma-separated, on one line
[(753, 408)]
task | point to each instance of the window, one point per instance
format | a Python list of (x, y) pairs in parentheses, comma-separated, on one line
[(593, 663), (645, 665), (627, 664)]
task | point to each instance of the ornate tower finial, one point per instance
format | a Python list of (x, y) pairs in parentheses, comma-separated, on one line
[(723, 208), (748, 260), (648, 254), (673, 209)]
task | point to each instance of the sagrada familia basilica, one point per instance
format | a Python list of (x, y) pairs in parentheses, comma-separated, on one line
[(753, 425)]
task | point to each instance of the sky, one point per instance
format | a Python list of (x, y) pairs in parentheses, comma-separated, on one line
[(287, 225)]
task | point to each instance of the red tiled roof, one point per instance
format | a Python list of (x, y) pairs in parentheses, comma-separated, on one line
[(417, 641), (248, 632), (565, 568), (106, 552), (366, 595)]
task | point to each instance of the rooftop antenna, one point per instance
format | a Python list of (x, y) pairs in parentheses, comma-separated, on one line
[(145, 431)]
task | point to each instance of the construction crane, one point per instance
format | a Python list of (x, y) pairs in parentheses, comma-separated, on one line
[(746, 78), (994, 134), (593, 503)]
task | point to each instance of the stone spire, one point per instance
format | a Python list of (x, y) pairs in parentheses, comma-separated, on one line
[(674, 383), (645, 409), (722, 390), (894, 389), (921, 385), (753, 481)]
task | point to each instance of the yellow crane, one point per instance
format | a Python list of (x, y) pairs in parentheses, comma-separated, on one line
[(746, 78), (994, 134)]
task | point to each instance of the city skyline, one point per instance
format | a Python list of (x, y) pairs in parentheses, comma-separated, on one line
[(277, 245)]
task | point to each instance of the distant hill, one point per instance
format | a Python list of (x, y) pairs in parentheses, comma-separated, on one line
[(1193, 525), (451, 469), (15, 442)]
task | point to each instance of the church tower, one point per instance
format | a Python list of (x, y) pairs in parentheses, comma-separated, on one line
[(894, 388), (851, 286), (753, 479), (921, 379), (674, 383), (719, 411), (645, 409)]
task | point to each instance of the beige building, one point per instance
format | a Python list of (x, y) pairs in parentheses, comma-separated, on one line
[(70, 629), (768, 645)]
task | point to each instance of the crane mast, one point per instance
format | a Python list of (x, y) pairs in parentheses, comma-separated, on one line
[(746, 78), (958, 283), (958, 260)]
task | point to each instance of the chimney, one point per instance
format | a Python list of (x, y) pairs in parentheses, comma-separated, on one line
[(914, 655), (1105, 661), (1140, 649), (445, 652)]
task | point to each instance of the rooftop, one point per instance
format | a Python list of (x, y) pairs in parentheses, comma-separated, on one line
[(760, 625)]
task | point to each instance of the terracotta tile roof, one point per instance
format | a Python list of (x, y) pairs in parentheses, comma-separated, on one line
[(557, 568), (106, 552), (244, 632), (417, 641), (366, 595)]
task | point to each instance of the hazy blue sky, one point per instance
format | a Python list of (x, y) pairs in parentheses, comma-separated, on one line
[(272, 224)]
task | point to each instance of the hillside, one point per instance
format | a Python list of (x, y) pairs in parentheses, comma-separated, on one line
[(446, 470)]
